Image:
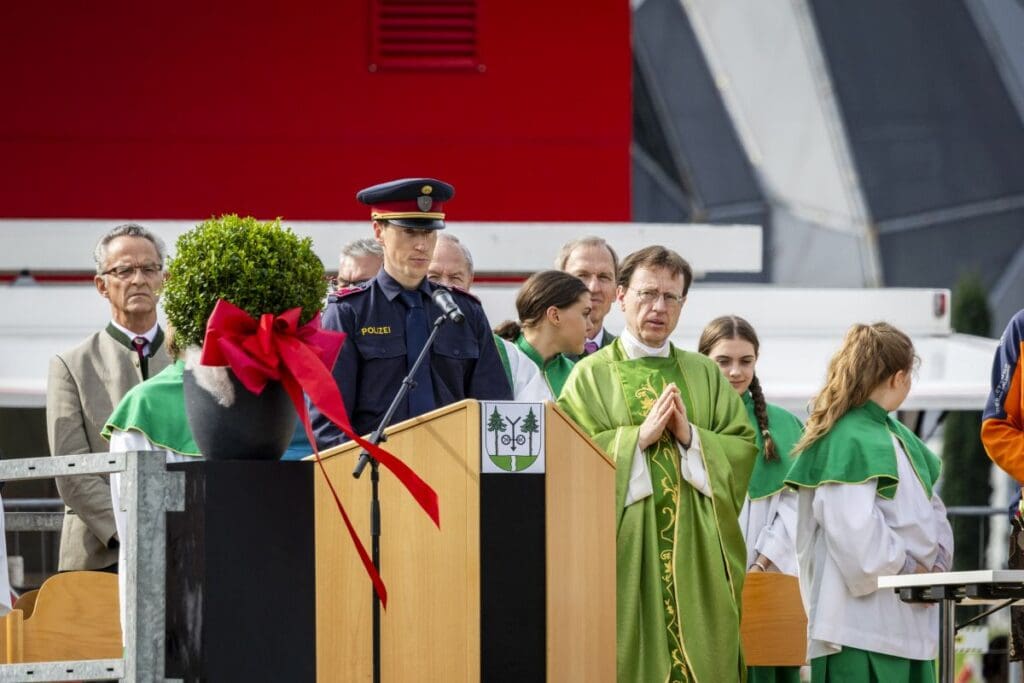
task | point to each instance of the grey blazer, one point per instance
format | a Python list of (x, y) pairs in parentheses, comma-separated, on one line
[(84, 386)]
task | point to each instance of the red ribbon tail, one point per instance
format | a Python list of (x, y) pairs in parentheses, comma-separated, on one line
[(295, 392), (371, 569), (301, 367), (418, 489)]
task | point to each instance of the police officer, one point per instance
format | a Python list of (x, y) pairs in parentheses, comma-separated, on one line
[(388, 320)]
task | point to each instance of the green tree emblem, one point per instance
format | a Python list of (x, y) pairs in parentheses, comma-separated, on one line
[(530, 427), (496, 424)]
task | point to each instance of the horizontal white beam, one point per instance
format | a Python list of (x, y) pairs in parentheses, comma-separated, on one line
[(43, 245)]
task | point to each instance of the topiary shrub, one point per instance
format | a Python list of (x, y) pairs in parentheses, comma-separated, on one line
[(259, 266)]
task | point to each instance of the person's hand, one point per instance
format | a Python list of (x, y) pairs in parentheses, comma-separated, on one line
[(680, 424), (662, 413), (921, 569)]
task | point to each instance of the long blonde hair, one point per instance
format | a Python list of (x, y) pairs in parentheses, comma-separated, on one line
[(870, 355)]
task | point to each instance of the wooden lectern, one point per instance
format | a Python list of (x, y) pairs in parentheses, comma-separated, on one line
[(774, 626), (519, 582)]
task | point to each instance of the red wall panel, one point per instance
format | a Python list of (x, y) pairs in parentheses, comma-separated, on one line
[(188, 109)]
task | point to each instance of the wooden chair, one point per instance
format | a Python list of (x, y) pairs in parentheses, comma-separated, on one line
[(774, 626), (74, 616), (27, 602)]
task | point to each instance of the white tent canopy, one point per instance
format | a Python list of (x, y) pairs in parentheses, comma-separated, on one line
[(800, 329)]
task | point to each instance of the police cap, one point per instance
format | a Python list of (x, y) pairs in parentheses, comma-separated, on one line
[(409, 202)]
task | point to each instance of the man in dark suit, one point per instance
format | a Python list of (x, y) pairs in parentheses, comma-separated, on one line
[(387, 321), (86, 382), (592, 260)]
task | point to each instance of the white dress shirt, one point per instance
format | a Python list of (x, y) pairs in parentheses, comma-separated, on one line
[(149, 334)]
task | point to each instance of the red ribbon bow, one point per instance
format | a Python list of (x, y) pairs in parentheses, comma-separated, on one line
[(301, 358)]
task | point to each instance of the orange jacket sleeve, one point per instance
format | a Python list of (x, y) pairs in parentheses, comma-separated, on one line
[(1002, 427)]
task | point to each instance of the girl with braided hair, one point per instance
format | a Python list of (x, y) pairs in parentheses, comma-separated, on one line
[(867, 507), (768, 517)]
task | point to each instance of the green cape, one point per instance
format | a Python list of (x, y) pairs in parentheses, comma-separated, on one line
[(156, 408), (859, 448), (555, 371), (602, 395), (770, 477)]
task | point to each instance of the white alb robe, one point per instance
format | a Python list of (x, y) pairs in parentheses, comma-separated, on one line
[(848, 536), (527, 381), (769, 528)]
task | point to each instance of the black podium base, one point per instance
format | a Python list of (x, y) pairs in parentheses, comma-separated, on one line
[(513, 631), (241, 595)]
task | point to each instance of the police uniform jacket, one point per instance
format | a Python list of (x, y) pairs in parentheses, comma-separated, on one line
[(464, 361)]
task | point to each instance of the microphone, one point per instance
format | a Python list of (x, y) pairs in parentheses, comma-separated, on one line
[(443, 298)]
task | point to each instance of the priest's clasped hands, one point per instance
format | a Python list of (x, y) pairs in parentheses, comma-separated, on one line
[(667, 412)]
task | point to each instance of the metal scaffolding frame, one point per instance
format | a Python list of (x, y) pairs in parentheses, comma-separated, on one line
[(148, 493)]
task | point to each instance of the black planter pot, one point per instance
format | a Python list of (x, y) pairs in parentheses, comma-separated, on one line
[(253, 428)]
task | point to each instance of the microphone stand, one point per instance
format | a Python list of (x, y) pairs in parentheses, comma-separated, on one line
[(364, 457)]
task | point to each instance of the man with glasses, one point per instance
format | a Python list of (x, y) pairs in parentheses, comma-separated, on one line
[(452, 266), (86, 382), (360, 261), (684, 450)]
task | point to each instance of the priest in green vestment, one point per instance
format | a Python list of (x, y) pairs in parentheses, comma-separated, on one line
[(684, 451)]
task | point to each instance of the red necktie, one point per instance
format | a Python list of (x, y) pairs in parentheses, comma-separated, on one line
[(140, 343)]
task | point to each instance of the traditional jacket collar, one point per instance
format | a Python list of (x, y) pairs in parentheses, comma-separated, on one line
[(155, 337)]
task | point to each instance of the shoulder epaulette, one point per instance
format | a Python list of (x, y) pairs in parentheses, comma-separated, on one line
[(461, 291), (349, 291)]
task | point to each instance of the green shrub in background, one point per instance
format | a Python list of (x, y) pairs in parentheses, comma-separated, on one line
[(965, 465), (258, 266)]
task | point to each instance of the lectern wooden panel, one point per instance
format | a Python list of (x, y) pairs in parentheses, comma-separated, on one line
[(774, 626), (518, 583)]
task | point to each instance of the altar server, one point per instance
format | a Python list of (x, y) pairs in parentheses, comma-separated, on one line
[(867, 508)]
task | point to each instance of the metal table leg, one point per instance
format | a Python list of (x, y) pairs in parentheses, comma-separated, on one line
[(947, 639)]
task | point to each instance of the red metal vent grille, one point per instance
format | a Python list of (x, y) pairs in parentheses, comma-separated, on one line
[(424, 34)]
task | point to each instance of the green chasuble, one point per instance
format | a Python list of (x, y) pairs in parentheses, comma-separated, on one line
[(555, 371), (156, 408), (769, 477), (859, 448), (680, 555)]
